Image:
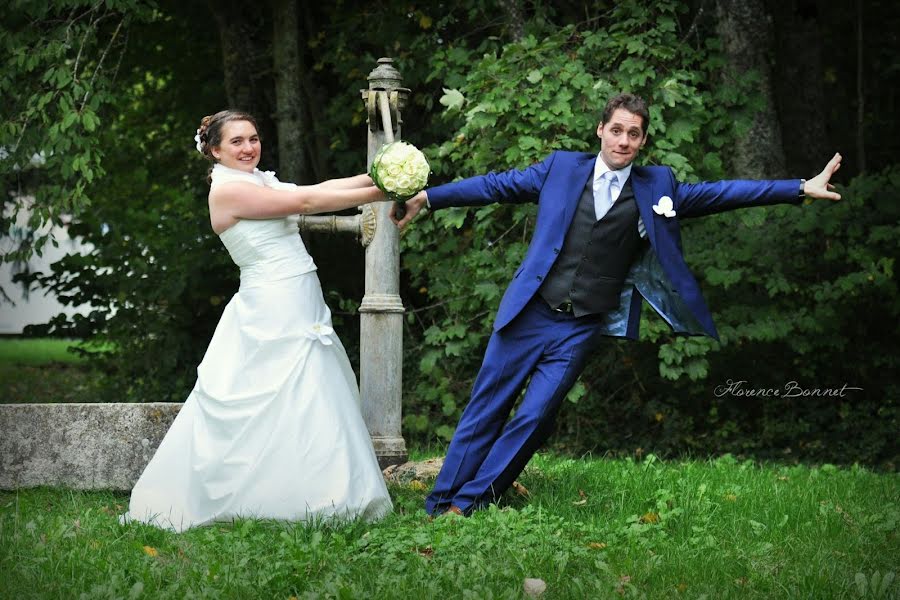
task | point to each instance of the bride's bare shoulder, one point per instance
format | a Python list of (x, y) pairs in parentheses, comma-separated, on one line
[(220, 217), (232, 189)]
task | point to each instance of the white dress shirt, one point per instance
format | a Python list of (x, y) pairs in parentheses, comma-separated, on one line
[(615, 188)]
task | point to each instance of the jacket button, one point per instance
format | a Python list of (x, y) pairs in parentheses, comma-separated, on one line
[(539, 278), (556, 251)]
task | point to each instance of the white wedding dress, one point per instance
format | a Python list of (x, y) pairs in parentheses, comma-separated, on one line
[(272, 428)]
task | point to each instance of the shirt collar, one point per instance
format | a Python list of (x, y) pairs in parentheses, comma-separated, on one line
[(600, 168)]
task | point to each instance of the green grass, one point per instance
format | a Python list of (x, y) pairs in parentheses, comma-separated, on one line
[(592, 528), (42, 370), (38, 351)]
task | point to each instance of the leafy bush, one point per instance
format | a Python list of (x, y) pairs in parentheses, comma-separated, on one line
[(157, 277)]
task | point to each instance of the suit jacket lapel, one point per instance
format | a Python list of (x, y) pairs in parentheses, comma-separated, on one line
[(642, 187), (584, 168)]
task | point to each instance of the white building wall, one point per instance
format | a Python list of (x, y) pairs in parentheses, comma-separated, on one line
[(40, 306)]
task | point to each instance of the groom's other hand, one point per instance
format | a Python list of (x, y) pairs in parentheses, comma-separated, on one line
[(413, 206), (818, 186)]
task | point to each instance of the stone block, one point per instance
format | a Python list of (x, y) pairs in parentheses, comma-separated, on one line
[(80, 446)]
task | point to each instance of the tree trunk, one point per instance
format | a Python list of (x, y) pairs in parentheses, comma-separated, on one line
[(317, 142), (799, 85), (860, 96), (246, 68), (744, 29), (515, 18), (288, 97), (339, 258)]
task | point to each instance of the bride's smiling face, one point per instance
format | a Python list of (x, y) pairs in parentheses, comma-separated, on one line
[(240, 146)]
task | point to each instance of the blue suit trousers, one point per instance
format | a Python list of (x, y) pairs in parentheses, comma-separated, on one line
[(541, 351)]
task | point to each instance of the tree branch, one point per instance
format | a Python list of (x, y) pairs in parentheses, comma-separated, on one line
[(694, 24), (92, 26), (115, 34)]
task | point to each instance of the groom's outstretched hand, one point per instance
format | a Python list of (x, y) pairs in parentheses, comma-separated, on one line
[(818, 186), (413, 206)]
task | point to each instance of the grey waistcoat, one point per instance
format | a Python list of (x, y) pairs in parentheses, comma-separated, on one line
[(593, 263)]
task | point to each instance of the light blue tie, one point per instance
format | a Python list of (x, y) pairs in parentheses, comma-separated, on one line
[(603, 200)]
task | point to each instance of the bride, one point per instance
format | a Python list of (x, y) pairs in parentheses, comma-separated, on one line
[(272, 428)]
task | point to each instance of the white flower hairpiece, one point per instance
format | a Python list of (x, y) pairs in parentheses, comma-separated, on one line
[(199, 143)]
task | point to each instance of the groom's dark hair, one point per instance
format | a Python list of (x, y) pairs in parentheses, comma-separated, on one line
[(630, 102)]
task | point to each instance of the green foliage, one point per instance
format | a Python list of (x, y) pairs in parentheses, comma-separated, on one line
[(590, 529), (432, 47), (156, 276), (816, 302), (58, 80)]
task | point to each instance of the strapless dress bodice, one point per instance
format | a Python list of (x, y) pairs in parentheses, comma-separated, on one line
[(264, 249), (267, 249)]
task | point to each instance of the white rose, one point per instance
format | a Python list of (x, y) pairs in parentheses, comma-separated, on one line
[(403, 151), (403, 183), (400, 169)]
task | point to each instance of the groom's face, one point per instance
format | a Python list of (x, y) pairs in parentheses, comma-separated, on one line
[(621, 138)]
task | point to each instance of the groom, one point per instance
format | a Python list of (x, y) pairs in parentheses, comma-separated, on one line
[(606, 238)]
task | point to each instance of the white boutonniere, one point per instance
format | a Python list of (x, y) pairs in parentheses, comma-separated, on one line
[(321, 332), (664, 207)]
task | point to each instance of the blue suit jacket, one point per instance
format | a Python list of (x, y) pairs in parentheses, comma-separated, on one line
[(658, 275)]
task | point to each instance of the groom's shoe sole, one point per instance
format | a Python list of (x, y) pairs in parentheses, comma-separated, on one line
[(453, 510)]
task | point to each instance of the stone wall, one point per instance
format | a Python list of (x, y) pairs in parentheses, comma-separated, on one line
[(79, 446)]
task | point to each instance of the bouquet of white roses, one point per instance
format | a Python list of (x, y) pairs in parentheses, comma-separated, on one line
[(400, 170)]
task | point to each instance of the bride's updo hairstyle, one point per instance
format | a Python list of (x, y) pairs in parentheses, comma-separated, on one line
[(210, 132)]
